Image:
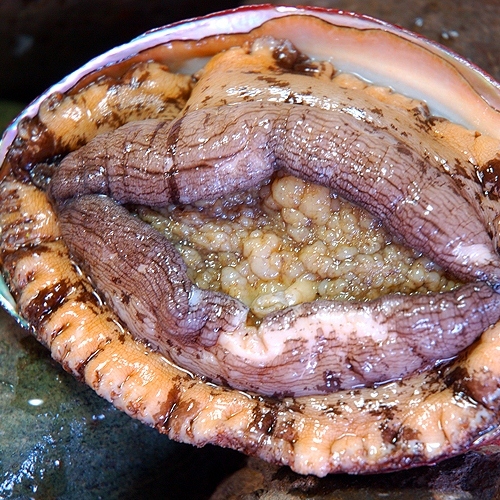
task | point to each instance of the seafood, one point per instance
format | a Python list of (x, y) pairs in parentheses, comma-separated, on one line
[(309, 349), (409, 421)]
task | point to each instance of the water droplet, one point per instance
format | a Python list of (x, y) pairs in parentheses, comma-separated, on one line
[(448, 35), (35, 402)]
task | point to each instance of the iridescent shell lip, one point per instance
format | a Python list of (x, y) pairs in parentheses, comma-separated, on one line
[(394, 56)]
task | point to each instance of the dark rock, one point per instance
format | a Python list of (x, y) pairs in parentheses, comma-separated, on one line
[(475, 475), (41, 42)]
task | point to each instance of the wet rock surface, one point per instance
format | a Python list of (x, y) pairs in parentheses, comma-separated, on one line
[(474, 475), (59, 440)]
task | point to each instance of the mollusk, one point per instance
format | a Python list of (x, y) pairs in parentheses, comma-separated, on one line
[(419, 419)]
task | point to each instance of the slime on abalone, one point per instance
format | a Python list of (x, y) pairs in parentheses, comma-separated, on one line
[(234, 138)]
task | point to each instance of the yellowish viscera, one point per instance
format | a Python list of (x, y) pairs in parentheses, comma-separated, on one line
[(289, 241)]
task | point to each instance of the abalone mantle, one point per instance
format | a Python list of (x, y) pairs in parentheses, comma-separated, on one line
[(279, 421), (253, 111)]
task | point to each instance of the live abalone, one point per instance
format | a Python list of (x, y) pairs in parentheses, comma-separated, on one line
[(416, 378)]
